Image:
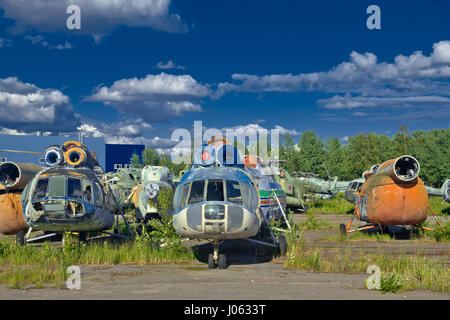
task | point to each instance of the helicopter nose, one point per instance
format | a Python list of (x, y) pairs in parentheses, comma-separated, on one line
[(217, 219), (152, 189)]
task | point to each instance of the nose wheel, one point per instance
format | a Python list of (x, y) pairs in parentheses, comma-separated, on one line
[(217, 260)]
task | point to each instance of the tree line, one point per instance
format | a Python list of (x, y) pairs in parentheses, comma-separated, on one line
[(348, 161)]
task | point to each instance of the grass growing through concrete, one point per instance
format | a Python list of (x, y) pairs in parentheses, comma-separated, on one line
[(398, 273)]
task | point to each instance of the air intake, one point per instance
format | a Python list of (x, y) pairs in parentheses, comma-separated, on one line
[(53, 156)]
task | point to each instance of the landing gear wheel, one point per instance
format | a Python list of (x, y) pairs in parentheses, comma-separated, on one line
[(20, 238), (282, 245), (222, 261), (211, 262), (342, 230)]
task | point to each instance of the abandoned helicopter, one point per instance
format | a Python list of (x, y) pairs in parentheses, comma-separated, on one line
[(67, 195), (13, 179), (217, 200), (392, 194)]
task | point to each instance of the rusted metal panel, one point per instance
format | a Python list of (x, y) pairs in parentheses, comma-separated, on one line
[(11, 217), (394, 202)]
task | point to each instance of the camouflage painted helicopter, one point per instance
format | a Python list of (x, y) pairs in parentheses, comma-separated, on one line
[(217, 200), (443, 192), (145, 195), (138, 188), (68, 194), (392, 194), (302, 188)]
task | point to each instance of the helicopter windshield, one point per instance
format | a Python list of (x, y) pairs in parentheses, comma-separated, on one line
[(197, 191), (72, 188), (216, 190), (41, 189)]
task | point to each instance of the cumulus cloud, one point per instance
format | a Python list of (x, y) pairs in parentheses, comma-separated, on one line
[(98, 17), (129, 131), (29, 108), (363, 81), (153, 98), (132, 131)]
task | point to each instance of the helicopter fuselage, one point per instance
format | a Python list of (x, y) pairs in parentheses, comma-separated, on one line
[(216, 203), (66, 199)]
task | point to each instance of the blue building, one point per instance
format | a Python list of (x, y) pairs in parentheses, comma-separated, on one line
[(119, 155), (109, 156)]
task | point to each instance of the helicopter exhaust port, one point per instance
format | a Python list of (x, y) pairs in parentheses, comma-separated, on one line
[(16, 175), (406, 168)]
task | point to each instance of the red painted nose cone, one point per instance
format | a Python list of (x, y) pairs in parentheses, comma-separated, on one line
[(205, 156)]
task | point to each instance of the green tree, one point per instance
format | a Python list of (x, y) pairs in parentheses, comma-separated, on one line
[(136, 161), (312, 154)]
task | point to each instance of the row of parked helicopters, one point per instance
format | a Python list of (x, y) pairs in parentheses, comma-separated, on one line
[(222, 196)]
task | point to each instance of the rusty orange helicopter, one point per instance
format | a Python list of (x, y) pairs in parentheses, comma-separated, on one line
[(13, 179), (392, 195)]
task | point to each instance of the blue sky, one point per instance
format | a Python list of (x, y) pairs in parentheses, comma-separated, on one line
[(136, 72)]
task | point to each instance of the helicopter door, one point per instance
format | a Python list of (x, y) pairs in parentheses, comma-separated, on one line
[(363, 209)]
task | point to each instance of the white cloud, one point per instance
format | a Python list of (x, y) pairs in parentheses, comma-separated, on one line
[(133, 131), (38, 39), (153, 98), (98, 17), (26, 107), (5, 42), (416, 79), (169, 65), (352, 102)]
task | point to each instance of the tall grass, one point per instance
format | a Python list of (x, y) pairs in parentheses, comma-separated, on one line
[(31, 267), (398, 273)]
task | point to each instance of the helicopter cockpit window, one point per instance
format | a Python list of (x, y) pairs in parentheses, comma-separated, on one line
[(250, 198), (88, 191), (98, 194), (41, 189), (183, 195), (197, 191), (57, 187), (215, 190), (234, 192), (74, 189), (359, 186)]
